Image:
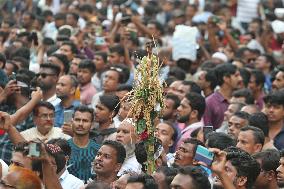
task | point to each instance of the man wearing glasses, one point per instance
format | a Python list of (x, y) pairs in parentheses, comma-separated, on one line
[(43, 118), (46, 80)]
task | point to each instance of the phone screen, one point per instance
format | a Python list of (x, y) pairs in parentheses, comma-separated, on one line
[(34, 149), (204, 155), (68, 116)]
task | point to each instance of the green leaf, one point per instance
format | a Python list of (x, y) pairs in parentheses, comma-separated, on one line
[(141, 126)]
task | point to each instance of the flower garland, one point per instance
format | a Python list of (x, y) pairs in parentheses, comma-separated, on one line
[(146, 96)]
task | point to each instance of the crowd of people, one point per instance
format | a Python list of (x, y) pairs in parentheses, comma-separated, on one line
[(67, 69)]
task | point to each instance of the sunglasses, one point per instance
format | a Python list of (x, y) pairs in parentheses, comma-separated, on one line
[(44, 75)]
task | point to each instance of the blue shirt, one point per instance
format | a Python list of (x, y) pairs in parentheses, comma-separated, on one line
[(81, 159), (59, 112), (279, 140)]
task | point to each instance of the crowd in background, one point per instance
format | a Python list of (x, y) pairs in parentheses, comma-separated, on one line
[(67, 69)]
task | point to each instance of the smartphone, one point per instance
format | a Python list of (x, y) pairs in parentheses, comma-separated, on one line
[(204, 155), (206, 131), (34, 149), (68, 116), (100, 41)]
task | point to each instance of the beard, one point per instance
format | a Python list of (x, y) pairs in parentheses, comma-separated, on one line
[(183, 119)]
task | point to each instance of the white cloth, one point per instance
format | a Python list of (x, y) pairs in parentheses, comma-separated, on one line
[(247, 10), (5, 168), (54, 100), (69, 181), (130, 164), (33, 133)]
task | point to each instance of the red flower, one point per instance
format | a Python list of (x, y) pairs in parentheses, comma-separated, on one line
[(144, 135)]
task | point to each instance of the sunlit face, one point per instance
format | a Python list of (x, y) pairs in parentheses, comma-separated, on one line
[(82, 123), (125, 133), (246, 142)]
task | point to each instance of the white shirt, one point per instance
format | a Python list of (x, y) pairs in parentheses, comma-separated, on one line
[(54, 100), (130, 164), (69, 181), (33, 133)]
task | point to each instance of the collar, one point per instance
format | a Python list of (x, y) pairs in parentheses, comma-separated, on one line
[(192, 126), (51, 99), (64, 175), (47, 135), (220, 97), (74, 103)]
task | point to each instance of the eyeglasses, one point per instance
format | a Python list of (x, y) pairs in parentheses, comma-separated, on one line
[(2, 183), (44, 75), (46, 116)]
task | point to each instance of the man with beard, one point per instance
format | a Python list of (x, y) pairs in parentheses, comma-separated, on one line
[(127, 136), (229, 79), (46, 80), (65, 90), (190, 112), (83, 150), (278, 82), (86, 70), (108, 161)]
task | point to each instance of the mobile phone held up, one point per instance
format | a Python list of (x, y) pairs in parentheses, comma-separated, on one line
[(34, 149), (202, 154), (68, 116)]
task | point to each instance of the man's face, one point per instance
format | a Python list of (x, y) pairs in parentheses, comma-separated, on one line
[(275, 112), (235, 124), (114, 58), (169, 111), (231, 172), (64, 87), (280, 172), (252, 84), (99, 62), (184, 111), (18, 159), (201, 81), (44, 120), (84, 76), (184, 154), (26, 20), (106, 161), (232, 108), (247, 143), (82, 123), (70, 20), (262, 180), (165, 132), (74, 65), (278, 83), (235, 80), (102, 113), (111, 81), (183, 90), (125, 133), (123, 110), (182, 181), (173, 88), (66, 50), (46, 79), (261, 63)]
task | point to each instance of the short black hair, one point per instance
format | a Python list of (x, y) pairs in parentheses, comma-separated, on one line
[(242, 115), (63, 58), (184, 64), (245, 165), (197, 102), (119, 148), (22, 147), (87, 64), (245, 75), (23, 62), (259, 77), (111, 102), (83, 108), (22, 52), (74, 15), (117, 49), (45, 104), (257, 134), (58, 156), (86, 8), (269, 159), (55, 68), (274, 98), (169, 172), (122, 70), (102, 54), (211, 77), (147, 180), (220, 140), (246, 93), (199, 177), (175, 99), (260, 120), (72, 46), (175, 134), (193, 141), (177, 72), (193, 86), (60, 16), (224, 70)]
